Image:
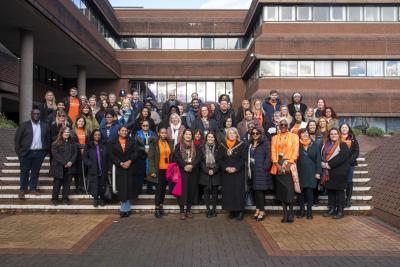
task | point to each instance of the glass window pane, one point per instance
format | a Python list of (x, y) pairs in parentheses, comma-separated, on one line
[(201, 90), (289, 68), (389, 13), (171, 87), (162, 91), (304, 13), (286, 13), (152, 86), (338, 13), (142, 43), (392, 68), (128, 43), (355, 13), (207, 43), (181, 43), (375, 68), (220, 43), (323, 68), (358, 68), (190, 88), (321, 13), (155, 43), (270, 13), (210, 92), (229, 90), (371, 13), (269, 68), (220, 89), (195, 43), (306, 68), (168, 43), (234, 43), (181, 92), (340, 68)]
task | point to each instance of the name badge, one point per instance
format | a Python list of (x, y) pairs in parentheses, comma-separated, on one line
[(281, 154), (189, 160), (147, 146)]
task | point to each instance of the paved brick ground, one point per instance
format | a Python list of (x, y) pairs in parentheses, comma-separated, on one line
[(142, 240)]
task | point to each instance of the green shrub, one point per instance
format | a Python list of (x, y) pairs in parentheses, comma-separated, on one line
[(6, 123), (357, 131), (374, 131)]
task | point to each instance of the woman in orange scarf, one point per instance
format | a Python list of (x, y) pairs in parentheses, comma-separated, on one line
[(335, 168), (284, 152)]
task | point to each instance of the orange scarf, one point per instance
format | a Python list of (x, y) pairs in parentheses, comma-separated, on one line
[(80, 132), (259, 116), (296, 127), (122, 142), (305, 142), (230, 144), (347, 141)]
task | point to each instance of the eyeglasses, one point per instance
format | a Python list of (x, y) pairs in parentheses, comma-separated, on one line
[(146, 125), (283, 125), (63, 116), (255, 133)]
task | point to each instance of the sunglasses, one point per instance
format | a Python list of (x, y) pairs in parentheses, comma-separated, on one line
[(283, 125), (255, 133)]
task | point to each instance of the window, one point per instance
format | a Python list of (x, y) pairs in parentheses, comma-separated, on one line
[(181, 91), (269, 68), (128, 43), (168, 43), (389, 13), (321, 13), (234, 43), (375, 68), (358, 68), (355, 13), (340, 68), (229, 89), (201, 90), (219, 88), (220, 43), (181, 43), (155, 43), (306, 68), (190, 88), (323, 68), (304, 13), (270, 13), (207, 43), (210, 92), (195, 43), (286, 13), (142, 43), (392, 68), (162, 92), (338, 13), (152, 86), (171, 87), (371, 13), (288, 68)]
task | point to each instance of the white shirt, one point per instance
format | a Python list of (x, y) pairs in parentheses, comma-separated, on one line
[(297, 107), (37, 136)]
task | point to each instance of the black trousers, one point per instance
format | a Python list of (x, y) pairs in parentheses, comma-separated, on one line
[(97, 186), (161, 188), (65, 182), (306, 196), (211, 191), (335, 198), (260, 199)]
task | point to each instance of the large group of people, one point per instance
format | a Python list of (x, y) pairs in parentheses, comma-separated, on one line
[(125, 145)]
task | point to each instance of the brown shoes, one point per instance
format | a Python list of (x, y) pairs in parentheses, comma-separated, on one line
[(21, 195), (189, 215), (35, 193)]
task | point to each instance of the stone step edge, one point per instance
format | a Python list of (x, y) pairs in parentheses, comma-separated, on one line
[(151, 207)]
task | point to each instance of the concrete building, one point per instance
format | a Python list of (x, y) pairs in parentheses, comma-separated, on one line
[(347, 52)]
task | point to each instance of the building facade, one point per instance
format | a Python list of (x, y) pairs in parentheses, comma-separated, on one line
[(347, 52)]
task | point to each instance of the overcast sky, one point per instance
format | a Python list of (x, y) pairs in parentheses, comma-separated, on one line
[(183, 4)]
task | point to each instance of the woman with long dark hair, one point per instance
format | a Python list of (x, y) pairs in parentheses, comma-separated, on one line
[(144, 115), (204, 121), (331, 118), (209, 173), (95, 157), (187, 157), (297, 123), (62, 167), (109, 129), (91, 122)]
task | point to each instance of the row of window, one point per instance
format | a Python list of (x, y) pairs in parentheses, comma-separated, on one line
[(92, 16), (325, 68), (47, 76), (208, 91), (331, 13), (181, 43)]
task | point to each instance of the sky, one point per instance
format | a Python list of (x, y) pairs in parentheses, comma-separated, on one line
[(183, 4)]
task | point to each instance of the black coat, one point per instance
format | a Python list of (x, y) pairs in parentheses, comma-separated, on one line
[(261, 178), (189, 179), (221, 117), (127, 186), (339, 165), (204, 178), (137, 126), (46, 113), (154, 159), (233, 185), (292, 109), (198, 125), (24, 136), (55, 129), (92, 166), (354, 152), (61, 155)]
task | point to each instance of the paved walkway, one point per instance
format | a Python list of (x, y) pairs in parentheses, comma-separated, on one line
[(140, 240)]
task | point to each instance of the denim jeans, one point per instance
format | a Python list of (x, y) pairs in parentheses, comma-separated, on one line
[(125, 206), (30, 164)]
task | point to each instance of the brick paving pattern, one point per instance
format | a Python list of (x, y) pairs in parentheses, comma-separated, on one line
[(141, 240)]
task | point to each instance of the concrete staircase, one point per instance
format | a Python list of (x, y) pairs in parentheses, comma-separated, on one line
[(9, 187)]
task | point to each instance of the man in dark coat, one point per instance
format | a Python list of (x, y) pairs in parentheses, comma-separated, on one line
[(296, 105), (137, 105), (172, 101), (271, 104), (32, 143), (223, 113)]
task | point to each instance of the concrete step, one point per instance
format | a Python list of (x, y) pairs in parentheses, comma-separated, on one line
[(14, 158), (360, 172), (18, 171), (361, 188), (17, 164)]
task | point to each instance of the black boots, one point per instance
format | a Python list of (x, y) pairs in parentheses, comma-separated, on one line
[(349, 193), (301, 213), (288, 215), (309, 213), (330, 212), (285, 212), (340, 213), (157, 213), (239, 216)]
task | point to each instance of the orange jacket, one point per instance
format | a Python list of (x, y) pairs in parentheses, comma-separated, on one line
[(290, 149)]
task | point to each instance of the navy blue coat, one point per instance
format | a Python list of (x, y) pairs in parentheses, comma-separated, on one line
[(269, 110), (113, 131), (262, 180)]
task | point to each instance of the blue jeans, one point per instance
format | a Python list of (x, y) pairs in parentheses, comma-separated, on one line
[(30, 164), (350, 175), (125, 206)]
